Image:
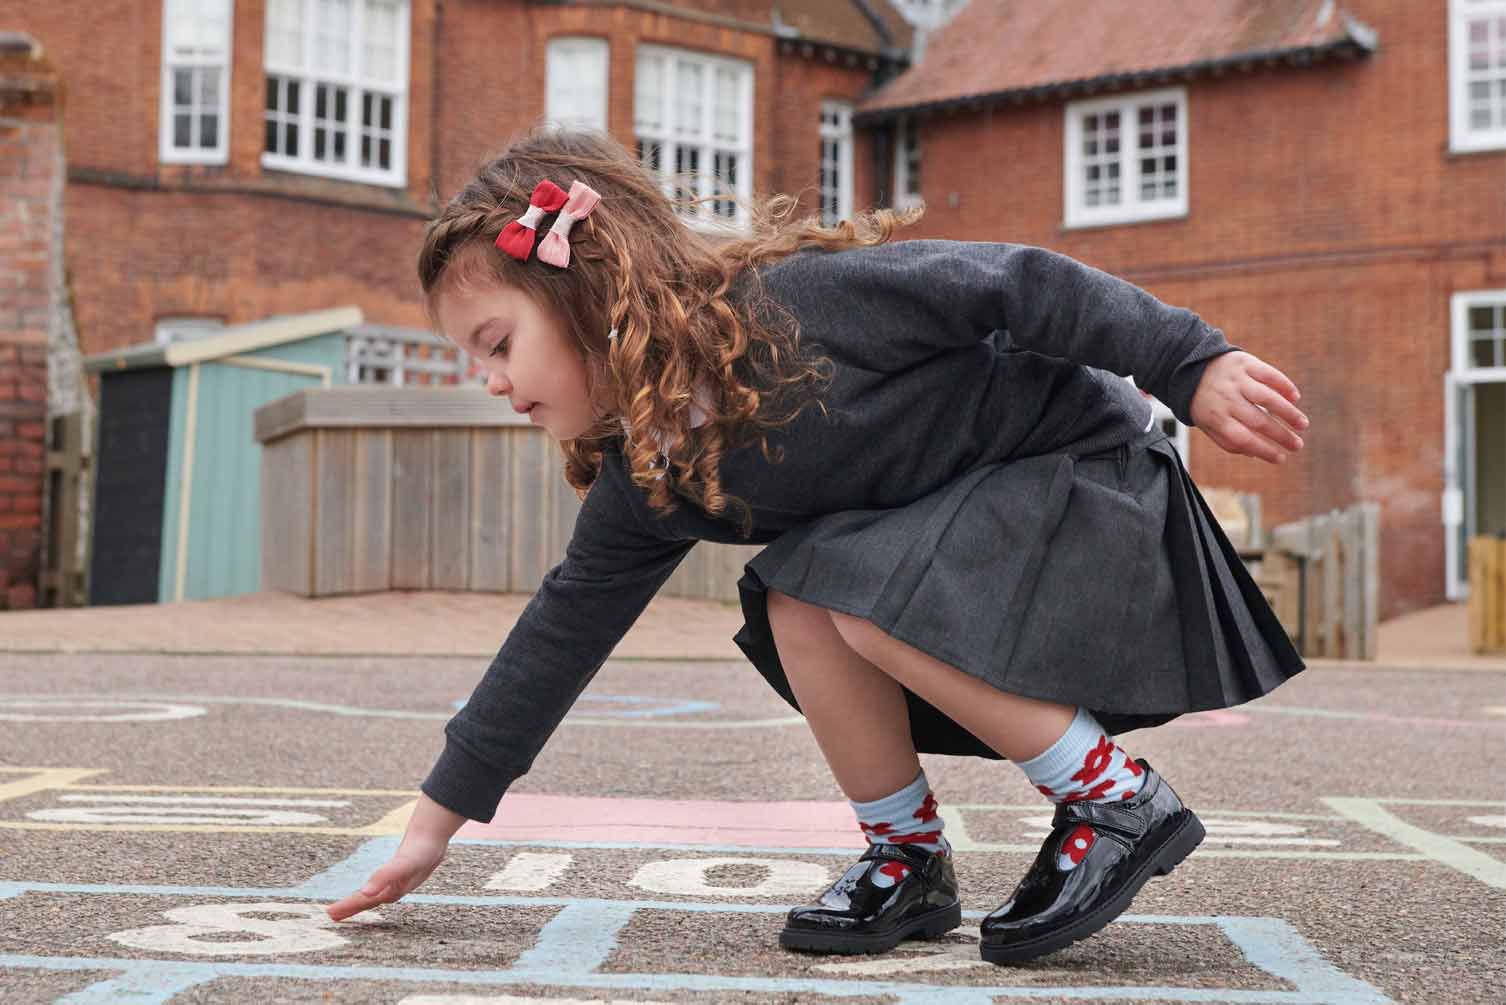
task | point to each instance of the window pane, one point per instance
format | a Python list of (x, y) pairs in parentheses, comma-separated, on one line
[(384, 155), (182, 88), (689, 84), (270, 140), (332, 30), (726, 105), (648, 90), (290, 140), (285, 32), (209, 132), (381, 40), (183, 131), (209, 87)]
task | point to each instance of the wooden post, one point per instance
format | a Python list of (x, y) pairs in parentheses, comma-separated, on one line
[(1487, 594), (68, 458)]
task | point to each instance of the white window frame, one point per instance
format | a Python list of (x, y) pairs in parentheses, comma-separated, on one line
[(906, 130), (209, 58), (704, 218), (1076, 212), (836, 128), (309, 77), (1457, 505), (1463, 138), (560, 55)]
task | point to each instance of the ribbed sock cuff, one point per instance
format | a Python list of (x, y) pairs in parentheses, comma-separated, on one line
[(1065, 755), (893, 805)]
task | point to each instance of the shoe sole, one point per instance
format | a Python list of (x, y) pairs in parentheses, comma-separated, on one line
[(1177, 846), (926, 926)]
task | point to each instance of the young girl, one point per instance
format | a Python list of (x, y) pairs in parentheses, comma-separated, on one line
[(978, 542)]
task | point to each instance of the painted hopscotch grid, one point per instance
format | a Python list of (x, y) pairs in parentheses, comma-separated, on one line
[(572, 947)]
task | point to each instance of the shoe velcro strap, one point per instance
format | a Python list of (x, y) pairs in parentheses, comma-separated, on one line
[(896, 853), (1108, 816)]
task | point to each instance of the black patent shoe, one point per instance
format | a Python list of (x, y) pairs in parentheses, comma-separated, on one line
[(1117, 847), (894, 892)]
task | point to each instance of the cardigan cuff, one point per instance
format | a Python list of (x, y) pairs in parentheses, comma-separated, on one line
[(462, 784)]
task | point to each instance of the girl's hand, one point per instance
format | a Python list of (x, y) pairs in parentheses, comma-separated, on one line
[(408, 868), (1248, 407), (422, 849)]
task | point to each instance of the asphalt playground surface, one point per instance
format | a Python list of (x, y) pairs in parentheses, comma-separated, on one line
[(172, 824)]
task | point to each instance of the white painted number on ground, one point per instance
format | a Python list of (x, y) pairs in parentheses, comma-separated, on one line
[(1489, 821), (200, 930), (530, 871), (957, 951), (113, 809), (64, 709), (687, 876), (1248, 831)]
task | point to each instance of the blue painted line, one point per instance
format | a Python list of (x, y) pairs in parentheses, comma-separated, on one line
[(657, 707), (147, 983), (576, 941), (1275, 947), (351, 872), (182, 974)]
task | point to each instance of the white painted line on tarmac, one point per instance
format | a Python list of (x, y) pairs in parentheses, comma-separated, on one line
[(203, 800), (351, 711), (530, 871), (1369, 812), (687, 877)]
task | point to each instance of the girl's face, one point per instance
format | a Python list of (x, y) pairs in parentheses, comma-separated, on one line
[(525, 353)]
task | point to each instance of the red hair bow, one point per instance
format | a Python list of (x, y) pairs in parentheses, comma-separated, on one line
[(517, 237)]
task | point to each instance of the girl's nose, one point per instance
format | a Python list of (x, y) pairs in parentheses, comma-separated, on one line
[(495, 385)]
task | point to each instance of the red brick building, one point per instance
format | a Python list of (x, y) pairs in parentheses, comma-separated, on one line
[(1325, 181), (227, 160)]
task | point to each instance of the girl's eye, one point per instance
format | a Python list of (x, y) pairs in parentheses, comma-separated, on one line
[(500, 347)]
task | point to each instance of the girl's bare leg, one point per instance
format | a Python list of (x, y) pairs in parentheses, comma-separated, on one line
[(845, 673), (855, 710)]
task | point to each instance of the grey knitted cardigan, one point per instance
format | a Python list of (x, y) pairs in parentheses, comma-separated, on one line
[(947, 355)]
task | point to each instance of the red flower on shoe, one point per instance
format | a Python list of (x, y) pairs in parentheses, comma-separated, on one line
[(892, 871), (927, 811), (1097, 760), (1075, 847)]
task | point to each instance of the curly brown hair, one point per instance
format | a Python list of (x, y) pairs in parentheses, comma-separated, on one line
[(689, 307)]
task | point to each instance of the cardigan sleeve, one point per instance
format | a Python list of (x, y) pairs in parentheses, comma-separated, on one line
[(915, 298), (612, 568)]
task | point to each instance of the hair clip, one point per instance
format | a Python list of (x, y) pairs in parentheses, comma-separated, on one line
[(517, 237), (555, 247)]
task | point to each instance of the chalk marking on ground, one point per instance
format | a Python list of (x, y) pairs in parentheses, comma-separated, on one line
[(352, 711), (575, 943), (41, 780), (1456, 855)]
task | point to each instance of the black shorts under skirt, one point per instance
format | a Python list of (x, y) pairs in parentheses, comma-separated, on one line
[(1102, 581)]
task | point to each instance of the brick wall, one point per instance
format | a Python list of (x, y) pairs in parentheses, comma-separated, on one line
[(30, 136), (1328, 226)]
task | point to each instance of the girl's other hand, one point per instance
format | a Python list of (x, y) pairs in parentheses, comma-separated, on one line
[(423, 847), (413, 863), (1249, 407)]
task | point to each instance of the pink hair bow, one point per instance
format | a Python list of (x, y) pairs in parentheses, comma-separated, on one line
[(555, 247), (517, 237)]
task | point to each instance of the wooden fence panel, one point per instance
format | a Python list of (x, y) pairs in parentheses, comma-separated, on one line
[(412, 489), (450, 509), (491, 534), (371, 512)]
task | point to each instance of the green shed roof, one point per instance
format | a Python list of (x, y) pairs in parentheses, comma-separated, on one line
[(231, 342)]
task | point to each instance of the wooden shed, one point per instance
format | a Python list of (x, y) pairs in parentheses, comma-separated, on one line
[(177, 489)]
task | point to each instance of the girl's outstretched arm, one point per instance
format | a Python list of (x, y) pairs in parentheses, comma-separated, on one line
[(925, 296)]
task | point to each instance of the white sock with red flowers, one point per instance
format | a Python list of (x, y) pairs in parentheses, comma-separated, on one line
[(1084, 764), (905, 817)]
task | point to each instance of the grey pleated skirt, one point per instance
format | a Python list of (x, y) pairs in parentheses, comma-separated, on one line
[(1102, 581)]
